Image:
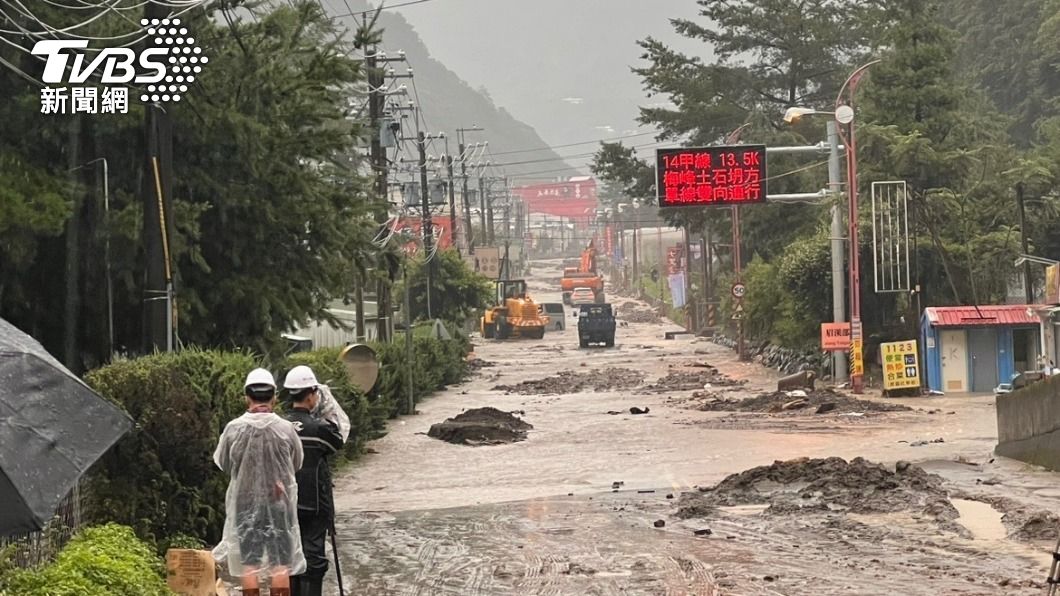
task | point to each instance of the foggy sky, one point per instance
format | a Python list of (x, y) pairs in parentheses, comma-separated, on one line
[(562, 66)]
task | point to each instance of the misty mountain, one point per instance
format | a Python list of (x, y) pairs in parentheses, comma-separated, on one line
[(448, 103)]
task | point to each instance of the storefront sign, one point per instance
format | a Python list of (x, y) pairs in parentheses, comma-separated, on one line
[(1052, 284), (857, 364), (835, 337), (901, 368)]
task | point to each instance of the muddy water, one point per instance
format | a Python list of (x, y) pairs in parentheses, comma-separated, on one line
[(982, 520), (538, 517)]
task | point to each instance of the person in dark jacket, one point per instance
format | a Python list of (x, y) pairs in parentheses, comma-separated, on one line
[(321, 439)]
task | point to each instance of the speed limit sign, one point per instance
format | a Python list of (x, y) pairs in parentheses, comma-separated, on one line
[(738, 290)]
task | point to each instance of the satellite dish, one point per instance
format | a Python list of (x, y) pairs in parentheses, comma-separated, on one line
[(362, 366)]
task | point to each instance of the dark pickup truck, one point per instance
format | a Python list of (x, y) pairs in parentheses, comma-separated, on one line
[(596, 325)]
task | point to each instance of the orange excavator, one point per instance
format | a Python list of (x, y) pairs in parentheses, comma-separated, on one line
[(584, 276)]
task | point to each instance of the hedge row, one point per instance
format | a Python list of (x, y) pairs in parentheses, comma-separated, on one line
[(108, 559), (160, 479)]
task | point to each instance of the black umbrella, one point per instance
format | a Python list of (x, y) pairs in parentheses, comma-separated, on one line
[(52, 429)]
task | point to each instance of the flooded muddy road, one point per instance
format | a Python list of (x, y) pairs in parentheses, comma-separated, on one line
[(598, 500)]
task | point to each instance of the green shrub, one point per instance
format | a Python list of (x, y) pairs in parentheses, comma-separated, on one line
[(160, 479), (107, 559)]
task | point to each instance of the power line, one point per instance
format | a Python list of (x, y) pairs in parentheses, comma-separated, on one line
[(381, 7), (594, 141)]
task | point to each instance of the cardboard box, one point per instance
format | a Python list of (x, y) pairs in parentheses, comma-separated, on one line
[(193, 573)]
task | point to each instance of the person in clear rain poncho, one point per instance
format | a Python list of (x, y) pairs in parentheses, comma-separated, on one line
[(261, 452)]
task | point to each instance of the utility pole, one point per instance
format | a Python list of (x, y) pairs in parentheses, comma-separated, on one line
[(839, 357), (427, 225), (1028, 284), (469, 232), (708, 276), (377, 159), (482, 208), (737, 267), (691, 320), (491, 231), (157, 220), (452, 201)]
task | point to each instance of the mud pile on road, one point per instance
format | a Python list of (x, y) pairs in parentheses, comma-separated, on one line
[(826, 485), (474, 365), (631, 312), (570, 381), (481, 426), (821, 401), (692, 379)]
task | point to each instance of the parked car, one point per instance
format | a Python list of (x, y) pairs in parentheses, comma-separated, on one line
[(556, 315), (1003, 388), (582, 296)]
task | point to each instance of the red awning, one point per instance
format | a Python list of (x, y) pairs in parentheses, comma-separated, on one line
[(983, 316)]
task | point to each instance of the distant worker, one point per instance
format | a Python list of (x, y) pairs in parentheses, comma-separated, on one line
[(321, 439), (262, 453)]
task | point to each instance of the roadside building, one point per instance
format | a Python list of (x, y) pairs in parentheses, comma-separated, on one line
[(970, 349), (325, 335)]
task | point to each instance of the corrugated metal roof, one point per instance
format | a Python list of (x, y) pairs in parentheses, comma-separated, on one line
[(984, 316)]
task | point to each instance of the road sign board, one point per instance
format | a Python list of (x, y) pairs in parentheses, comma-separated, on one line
[(901, 368), (737, 316), (739, 307), (739, 290), (835, 337), (855, 330), (711, 176)]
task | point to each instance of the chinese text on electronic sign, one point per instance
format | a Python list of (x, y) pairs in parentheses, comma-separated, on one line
[(711, 176)]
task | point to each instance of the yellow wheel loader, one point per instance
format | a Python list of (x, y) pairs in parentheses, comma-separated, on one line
[(514, 315)]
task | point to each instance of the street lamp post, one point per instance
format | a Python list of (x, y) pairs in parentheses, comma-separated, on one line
[(106, 249), (844, 114)]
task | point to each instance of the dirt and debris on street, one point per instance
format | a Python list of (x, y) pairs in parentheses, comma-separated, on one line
[(796, 402), (475, 365), (794, 492), (481, 426), (568, 381), (828, 484), (636, 312), (693, 377)]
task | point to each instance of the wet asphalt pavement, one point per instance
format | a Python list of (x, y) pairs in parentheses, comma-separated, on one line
[(421, 516)]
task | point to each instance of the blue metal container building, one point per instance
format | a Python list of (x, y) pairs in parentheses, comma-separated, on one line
[(970, 349)]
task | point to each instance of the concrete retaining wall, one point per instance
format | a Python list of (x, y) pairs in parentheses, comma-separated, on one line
[(1028, 424)]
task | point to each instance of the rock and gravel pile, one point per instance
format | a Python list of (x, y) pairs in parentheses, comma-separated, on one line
[(826, 485), (692, 379), (570, 381), (631, 312), (481, 426), (476, 364), (821, 401)]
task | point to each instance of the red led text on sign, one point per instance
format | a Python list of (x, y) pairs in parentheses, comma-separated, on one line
[(711, 176)]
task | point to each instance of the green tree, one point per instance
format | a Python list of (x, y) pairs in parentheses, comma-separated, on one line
[(1012, 55), (456, 293), (272, 219), (933, 131)]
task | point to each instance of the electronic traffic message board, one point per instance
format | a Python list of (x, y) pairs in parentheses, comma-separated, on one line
[(711, 176)]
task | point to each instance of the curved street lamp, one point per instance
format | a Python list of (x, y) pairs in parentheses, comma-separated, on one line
[(844, 114)]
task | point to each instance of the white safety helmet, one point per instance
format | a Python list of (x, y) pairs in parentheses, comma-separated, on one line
[(300, 377), (260, 382), (260, 376)]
